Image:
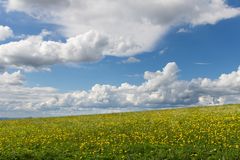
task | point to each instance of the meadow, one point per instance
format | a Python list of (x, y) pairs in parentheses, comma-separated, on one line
[(187, 133)]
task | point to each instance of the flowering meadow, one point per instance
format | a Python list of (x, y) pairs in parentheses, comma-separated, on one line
[(187, 133)]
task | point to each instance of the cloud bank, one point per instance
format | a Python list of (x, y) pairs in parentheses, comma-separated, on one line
[(132, 26), (97, 29), (160, 89)]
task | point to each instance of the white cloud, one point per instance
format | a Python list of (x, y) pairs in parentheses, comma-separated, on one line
[(5, 32), (133, 26), (160, 89), (16, 98), (35, 53), (15, 78), (131, 60)]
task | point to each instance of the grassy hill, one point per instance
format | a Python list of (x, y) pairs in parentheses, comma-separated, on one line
[(190, 133)]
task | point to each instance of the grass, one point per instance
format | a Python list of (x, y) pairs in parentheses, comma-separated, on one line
[(190, 133)]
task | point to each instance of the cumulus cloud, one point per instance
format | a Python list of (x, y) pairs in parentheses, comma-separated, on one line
[(35, 53), (160, 89), (15, 78), (133, 26), (15, 97), (5, 32)]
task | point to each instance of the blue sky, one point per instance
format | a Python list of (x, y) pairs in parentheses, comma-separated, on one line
[(200, 46)]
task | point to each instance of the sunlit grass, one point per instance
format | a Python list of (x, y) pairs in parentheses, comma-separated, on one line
[(191, 133)]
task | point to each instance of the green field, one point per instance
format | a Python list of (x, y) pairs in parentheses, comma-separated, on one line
[(190, 133)]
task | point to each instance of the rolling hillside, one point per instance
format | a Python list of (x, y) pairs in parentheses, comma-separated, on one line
[(188, 133)]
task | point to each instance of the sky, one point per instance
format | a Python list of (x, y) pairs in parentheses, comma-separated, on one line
[(72, 57)]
